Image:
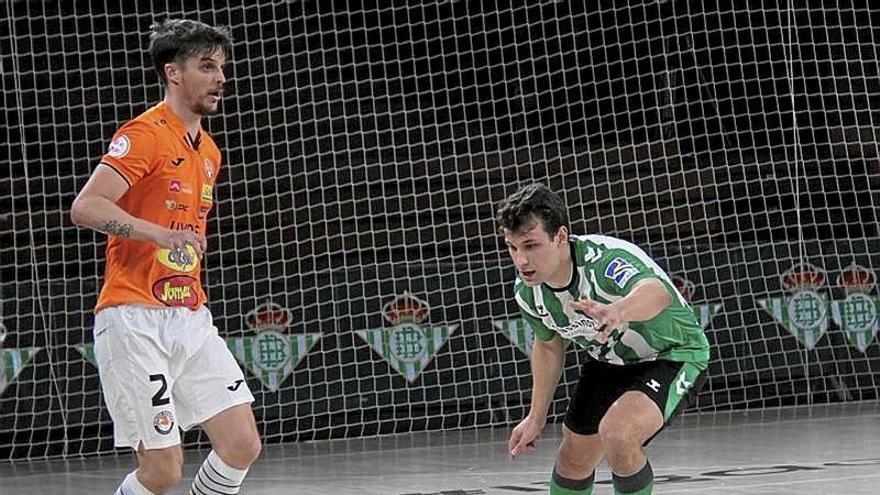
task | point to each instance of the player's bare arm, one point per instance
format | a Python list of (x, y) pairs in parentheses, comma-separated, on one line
[(646, 300), (95, 207), (548, 358)]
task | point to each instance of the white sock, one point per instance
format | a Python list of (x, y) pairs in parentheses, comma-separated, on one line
[(215, 477), (131, 486)]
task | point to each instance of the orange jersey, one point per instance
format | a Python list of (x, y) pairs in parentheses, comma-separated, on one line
[(171, 179)]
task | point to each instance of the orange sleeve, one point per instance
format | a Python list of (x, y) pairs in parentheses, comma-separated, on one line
[(133, 151)]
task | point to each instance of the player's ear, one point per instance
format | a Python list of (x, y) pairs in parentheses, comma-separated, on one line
[(172, 73), (562, 235)]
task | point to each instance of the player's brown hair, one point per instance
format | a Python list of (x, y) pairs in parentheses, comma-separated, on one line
[(533, 200), (178, 39)]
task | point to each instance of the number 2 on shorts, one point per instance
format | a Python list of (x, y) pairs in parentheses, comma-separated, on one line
[(158, 399)]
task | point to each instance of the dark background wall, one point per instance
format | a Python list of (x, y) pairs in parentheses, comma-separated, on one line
[(366, 145)]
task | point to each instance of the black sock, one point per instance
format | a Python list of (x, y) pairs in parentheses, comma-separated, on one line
[(565, 486), (639, 482)]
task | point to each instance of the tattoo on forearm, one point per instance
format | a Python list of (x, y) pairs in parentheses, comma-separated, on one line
[(112, 227)]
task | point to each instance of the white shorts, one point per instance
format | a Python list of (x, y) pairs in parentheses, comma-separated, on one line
[(163, 368)]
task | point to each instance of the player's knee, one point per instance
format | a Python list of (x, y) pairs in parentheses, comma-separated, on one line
[(251, 448), (241, 453), (162, 475), (573, 465), (576, 459), (617, 435)]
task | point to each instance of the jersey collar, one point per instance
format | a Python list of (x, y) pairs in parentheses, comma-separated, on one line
[(173, 121)]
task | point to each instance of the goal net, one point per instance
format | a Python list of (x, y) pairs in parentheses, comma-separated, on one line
[(354, 266)]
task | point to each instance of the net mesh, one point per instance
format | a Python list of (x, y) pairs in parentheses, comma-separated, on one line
[(354, 267)]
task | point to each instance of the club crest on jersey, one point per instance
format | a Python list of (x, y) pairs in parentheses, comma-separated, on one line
[(179, 290), (119, 147), (184, 262), (272, 354), (620, 271), (409, 347), (209, 169), (163, 423)]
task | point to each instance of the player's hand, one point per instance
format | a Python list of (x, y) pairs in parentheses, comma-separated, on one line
[(176, 242), (523, 437), (606, 316)]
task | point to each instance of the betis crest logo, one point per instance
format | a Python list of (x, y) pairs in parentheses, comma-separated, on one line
[(705, 313), (88, 352), (805, 312), (271, 355), (857, 313), (518, 332), (12, 361), (409, 347)]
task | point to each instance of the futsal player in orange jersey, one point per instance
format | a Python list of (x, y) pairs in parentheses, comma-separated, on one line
[(162, 364)]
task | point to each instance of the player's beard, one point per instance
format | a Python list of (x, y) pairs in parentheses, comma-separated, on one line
[(204, 110)]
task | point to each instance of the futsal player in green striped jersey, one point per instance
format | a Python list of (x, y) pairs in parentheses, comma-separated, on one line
[(646, 351)]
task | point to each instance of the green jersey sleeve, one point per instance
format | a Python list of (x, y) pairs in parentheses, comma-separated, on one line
[(618, 271)]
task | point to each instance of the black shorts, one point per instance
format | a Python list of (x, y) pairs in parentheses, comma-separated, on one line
[(671, 385)]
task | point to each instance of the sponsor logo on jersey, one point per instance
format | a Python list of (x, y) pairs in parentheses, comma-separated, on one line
[(172, 205), (163, 423), (179, 290), (620, 271), (119, 147), (409, 347), (209, 169), (655, 385), (272, 354), (175, 225), (582, 326), (178, 161), (183, 261), (203, 210), (176, 186), (208, 193)]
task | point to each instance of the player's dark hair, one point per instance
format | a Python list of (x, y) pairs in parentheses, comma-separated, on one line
[(533, 200), (175, 40)]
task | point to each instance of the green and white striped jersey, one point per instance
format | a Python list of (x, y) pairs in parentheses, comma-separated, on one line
[(606, 269)]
